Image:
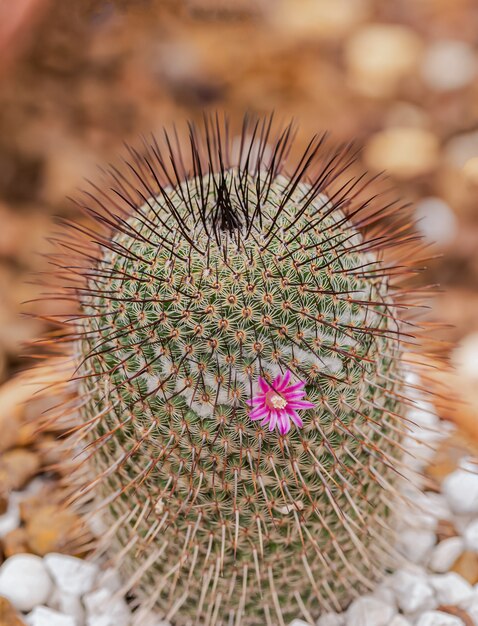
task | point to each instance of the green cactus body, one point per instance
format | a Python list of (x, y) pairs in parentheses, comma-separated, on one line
[(208, 284)]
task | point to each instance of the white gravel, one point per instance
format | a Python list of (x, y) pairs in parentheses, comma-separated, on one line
[(445, 554), (24, 580)]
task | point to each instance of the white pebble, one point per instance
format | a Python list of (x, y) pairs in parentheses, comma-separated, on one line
[(10, 519), (100, 604), (400, 620), (445, 554), (451, 588), (416, 543), (439, 618), (465, 355), (384, 593), (70, 574), (413, 592), (368, 611), (461, 490), (471, 607), (24, 580), (67, 603), (470, 535), (299, 622), (100, 620), (43, 616), (435, 220), (331, 619), (448, 64)]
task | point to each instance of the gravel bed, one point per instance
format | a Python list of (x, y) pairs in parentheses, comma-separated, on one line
[(61, 590)]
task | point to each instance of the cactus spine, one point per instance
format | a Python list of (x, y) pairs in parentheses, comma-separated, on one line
[(210, 267)]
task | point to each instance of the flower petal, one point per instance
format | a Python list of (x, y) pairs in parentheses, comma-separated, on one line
[(296, 419), (285, 381), (300, 404)]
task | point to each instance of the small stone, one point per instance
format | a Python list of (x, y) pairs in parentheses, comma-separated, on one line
[(331, 619), (378, 55), (466, 566), (445, 554), (3, 502), (470, 170), (461, 490), (10, 520), (439, 618), (17, 467), (460, 148), (24, 580), (471, 536), (448, 64), (445, 529), (384, 593), (405, 152), (400, 620), (12, 396), (299, 622), (50, 529), (327, 19), (43, 616), (16, 542), (8, 615), (70, 574), (471, 607), (436, 220), (100, 604), (412, 591), (416, 543), (68, 604), (368, 611), (451, 588)]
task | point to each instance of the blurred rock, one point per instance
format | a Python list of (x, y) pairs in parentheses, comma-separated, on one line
[(467, 566), (451, 588), (70, 574), (413, 591), (465, 357), (15, 542), (404, 152), (446, 553), (368, 611), (436, 221), (44, 616), (439, 618), (24, 581), (17, 467), (449, 64), (324, 20), (460, 148), (51, 529), (8, 615), (379, 55)]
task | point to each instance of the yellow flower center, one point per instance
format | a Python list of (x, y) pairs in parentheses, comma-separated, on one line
[(277, 401)]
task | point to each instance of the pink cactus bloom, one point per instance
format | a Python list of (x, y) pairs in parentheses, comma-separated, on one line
[(277, 403)]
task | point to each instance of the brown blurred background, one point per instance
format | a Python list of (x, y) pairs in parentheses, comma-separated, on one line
[(79, 78)]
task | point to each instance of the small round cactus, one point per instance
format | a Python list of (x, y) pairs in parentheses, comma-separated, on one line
[(239, 367)]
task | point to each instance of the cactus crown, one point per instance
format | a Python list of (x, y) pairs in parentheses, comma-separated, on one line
[(218, 288)]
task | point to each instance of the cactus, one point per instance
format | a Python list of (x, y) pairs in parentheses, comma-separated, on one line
[(240, 371)]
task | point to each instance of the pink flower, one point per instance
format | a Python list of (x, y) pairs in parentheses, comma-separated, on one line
[(277, 403)]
